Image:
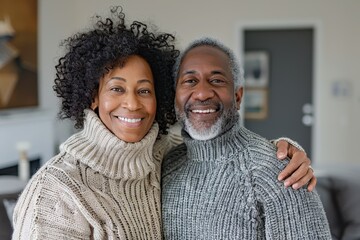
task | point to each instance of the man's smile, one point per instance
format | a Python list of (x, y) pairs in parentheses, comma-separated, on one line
[(203, 111)]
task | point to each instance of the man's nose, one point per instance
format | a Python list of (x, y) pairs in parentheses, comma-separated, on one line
[(203, 91)]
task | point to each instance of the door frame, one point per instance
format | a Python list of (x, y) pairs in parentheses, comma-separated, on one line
[(316, 25)]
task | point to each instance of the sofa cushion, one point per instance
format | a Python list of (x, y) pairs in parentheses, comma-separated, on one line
[(11, 187), (5, 222), (347, 193), (340, 194), (325, 189)]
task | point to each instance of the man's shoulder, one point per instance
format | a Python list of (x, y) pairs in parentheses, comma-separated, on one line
[(263, 155), (258, 144), (177, 151), (174, 158)]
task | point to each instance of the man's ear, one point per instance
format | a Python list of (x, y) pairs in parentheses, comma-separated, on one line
[(238, 96)]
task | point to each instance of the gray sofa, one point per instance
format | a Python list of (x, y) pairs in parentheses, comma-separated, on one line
[(10, 189), (340, 194), (5, 224)]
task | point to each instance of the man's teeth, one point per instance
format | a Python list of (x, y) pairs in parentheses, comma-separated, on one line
[(203, 111), (130, 120)]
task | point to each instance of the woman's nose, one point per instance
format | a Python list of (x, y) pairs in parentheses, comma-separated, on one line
[(131, 102)]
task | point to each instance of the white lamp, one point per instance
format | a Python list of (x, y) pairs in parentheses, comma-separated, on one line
[(24, 166)]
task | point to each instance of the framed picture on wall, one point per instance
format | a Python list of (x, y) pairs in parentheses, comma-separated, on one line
[(256, 66), (18, 54), (256, 103)]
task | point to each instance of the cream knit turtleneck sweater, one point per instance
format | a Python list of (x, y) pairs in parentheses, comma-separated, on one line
[(97, 187)]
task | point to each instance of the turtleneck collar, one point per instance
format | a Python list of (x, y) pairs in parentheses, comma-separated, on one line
[(219, 148), (102, 151)]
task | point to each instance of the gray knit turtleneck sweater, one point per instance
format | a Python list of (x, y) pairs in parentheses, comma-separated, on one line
[(97, 187), (227, 188)]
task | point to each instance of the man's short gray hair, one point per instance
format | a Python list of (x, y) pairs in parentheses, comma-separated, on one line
[(236, 71)]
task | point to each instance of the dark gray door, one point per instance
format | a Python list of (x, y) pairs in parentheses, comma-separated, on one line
[(290, 53)]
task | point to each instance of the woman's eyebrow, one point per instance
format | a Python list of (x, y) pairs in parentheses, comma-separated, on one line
[(118, 78), (144, 81), (124, 80)]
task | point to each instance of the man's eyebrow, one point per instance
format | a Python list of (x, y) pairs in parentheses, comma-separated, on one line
[(218, 72), (214, 72), (188, 72)]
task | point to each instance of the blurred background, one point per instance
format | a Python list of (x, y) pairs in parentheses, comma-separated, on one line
[(303, 70), (331, 65)]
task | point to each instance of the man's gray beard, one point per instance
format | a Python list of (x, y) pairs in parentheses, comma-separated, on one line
[(227, 120)]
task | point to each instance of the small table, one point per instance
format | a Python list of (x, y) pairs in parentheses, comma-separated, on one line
[(11, 184)]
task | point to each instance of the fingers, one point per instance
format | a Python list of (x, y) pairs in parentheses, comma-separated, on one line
[(282, 149), (298, 172), (312, 183), (292, 150), (297, 176), (307, 179), (296, 169)]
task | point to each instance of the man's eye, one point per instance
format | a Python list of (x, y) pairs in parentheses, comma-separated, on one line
[(189, 81), (217, 81)]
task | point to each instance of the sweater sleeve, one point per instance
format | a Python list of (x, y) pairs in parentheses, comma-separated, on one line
[(287, 213), (45, 211), (289, 140)]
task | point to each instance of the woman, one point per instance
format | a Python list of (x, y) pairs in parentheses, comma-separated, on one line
[(105, 182)]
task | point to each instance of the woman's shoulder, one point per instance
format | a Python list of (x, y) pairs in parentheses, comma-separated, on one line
[(59, 171), (39, 183), (45, 197)]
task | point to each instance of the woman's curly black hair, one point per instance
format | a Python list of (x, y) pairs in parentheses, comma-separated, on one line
[(91, 54)]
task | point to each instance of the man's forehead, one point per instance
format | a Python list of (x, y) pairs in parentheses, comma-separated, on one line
[(205, 55), (206, 49)]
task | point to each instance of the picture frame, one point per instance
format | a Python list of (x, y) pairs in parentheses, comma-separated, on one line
[(256, 69), (256, 103), (18, 54)]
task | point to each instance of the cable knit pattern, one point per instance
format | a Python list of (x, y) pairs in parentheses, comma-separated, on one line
[(97, 187), (227, 188)]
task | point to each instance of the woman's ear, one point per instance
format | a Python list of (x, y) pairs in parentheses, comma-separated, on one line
[(95, 103)]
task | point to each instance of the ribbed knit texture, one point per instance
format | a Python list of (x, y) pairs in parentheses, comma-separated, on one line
[(97, 187), (227, 188)]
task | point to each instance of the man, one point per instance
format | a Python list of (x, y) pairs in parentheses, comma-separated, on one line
[(221, 183)]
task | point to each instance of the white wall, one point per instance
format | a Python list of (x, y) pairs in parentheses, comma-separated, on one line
[(337, 117), (39, 132)]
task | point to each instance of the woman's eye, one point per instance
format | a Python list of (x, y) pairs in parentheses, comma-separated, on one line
[(144, 91), (117, 89)]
